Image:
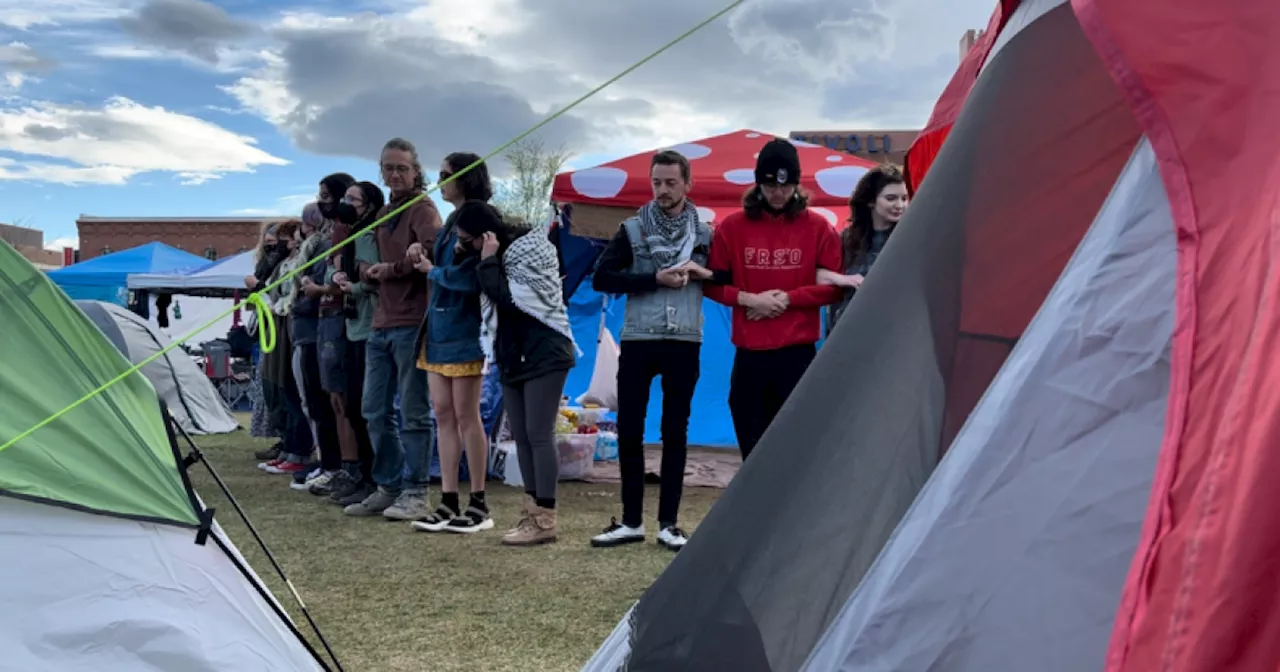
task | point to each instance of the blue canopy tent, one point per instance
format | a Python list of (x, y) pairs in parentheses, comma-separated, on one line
[(105, 278)]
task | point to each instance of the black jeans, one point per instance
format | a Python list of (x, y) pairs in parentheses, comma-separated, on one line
[(286, 406), (320, 408), (677, 362), (354, 398), (758, 387)]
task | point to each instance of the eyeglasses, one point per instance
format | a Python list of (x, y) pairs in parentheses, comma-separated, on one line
[(444, 175), (401, 169), (353, 201)]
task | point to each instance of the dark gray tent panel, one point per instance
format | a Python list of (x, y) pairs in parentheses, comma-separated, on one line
[(1014, 554), (1035, 153)]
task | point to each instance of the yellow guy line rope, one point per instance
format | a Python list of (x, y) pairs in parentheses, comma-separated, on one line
[(266, 324)]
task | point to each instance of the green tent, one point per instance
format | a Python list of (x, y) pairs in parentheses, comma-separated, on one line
[(98, 499)]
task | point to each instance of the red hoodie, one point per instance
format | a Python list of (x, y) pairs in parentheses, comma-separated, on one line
[(774, 253)]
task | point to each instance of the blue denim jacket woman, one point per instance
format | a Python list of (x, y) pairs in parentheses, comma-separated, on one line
[(450, 330), (452, 355)]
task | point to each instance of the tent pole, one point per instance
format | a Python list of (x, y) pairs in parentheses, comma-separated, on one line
[(198, 456)]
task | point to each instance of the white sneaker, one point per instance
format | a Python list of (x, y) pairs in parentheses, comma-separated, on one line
[(317, 477), (618, 534), (672, 538)]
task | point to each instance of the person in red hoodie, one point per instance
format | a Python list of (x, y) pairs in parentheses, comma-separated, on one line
[(766, 260)]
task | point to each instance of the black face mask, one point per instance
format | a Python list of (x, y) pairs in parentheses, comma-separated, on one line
[(282, 247), (327, 209), (346, 213)]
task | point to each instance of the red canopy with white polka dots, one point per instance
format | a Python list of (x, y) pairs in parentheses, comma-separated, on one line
[(723, 169)]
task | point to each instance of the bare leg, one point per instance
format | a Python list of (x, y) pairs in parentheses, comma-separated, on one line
[(466, 410), (346, 434), (441, 389)]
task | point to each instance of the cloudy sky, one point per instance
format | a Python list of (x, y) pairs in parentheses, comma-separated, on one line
[(199, 107)]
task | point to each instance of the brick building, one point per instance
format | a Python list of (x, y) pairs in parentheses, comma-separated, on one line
[(879, 146), (30, 244), (210, 237)]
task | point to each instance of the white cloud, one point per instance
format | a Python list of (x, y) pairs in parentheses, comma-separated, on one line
[(108, 145), (57, 244), (285, 205), (263, 93), (40, 171), (25, 14)]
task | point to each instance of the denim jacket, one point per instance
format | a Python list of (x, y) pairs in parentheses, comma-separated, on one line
[(663, 314), (450, 331)]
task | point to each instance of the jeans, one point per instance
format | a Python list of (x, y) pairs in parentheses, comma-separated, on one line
[(391, 365), (677, 362)]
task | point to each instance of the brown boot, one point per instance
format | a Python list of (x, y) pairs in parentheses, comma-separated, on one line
[(540, 529), (526, 510)]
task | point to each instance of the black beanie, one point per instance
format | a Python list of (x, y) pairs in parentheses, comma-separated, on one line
[(779, 163)]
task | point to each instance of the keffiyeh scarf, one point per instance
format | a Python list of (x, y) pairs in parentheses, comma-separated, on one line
[(533, 278), (670, 239)]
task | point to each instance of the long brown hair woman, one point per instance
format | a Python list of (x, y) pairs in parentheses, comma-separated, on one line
[(877, 204)]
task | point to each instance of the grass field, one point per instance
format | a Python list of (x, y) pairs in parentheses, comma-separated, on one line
[(388, 598)]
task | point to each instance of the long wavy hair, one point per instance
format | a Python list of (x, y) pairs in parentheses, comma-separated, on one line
[(475, 184), (756, 205), (856, 239)]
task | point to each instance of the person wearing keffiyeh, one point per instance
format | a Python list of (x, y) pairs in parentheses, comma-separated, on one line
[(657, 260), (525, 333)]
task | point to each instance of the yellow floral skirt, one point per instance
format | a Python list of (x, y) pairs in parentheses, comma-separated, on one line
[(462, 370)]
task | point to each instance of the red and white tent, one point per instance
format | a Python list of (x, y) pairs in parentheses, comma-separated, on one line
[(1079, 311), (723, 168)]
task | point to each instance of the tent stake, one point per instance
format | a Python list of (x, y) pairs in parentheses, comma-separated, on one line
[(197, 455)]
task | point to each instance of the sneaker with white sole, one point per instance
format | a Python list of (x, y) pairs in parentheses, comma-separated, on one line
[(314, 479), (337, 480), (618, 534), (474, 519), (373, 505), (672, 538), (435, 521), (408, 506)]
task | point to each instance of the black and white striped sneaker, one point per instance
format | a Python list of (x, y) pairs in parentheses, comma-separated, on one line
[(474, 519)]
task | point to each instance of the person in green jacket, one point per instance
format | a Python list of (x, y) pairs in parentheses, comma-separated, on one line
[(357, 209)]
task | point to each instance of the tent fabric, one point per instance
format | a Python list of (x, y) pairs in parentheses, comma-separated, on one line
[(127, 596), (185, 389), (105, 278), (578, 254), (53, 357), (97, 499), (224, 277), (928, 142), (723, 169), (1202, 589), (1014, 554), (1008, 200)]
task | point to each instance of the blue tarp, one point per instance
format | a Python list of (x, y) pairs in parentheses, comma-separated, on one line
[(105, 278), (710, 423)]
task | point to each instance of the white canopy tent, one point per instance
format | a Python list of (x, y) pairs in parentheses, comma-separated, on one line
[(221, 278)]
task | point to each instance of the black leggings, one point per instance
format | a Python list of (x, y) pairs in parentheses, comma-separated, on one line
[(318, 405), (758, 387), (531, 408)]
